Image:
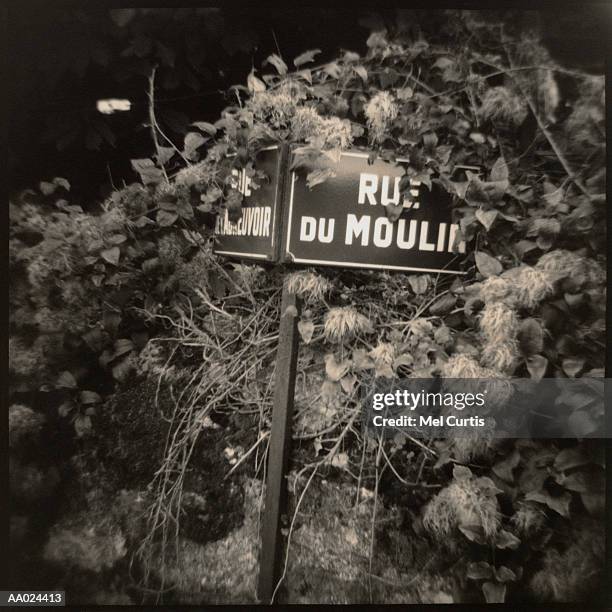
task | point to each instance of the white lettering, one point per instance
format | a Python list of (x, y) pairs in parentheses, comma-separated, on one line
[(308, 229), (356, 227), (368, 184), (323, 237), (382, 226), (423, 244)]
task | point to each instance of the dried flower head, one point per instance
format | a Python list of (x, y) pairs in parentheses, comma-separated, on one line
[(567, 263), (500, 356), (383, 355), (461, 365), (344, 322), (466, 502), (324, 132), (308, 285), (380, 111), (498, 323), (467, 448), (502, 104), (496, 289), (531, 286), (529, 519)]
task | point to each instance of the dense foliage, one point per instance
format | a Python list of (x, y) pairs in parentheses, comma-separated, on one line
[(160, 357)]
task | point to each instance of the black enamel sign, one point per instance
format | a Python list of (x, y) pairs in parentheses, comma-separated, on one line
[(254, 236), (342, 221)]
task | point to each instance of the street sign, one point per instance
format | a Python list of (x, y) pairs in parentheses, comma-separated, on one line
[(342, 221), (254, 236)]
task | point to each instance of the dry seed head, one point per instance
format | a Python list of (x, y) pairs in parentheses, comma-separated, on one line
[(528, 519), (380, 111), (498, 323), (463, 366), (308, 285), (496, 289), (473, 447), (502, 104), (383, 354), (462, 504), (532, 287), (570, 264), (344, 322), (501, 357)]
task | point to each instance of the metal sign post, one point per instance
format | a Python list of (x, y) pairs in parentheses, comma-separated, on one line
[(342, 222), (279, 447)]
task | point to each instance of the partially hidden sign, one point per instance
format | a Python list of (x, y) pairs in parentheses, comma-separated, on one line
[(255, 235), (343, 222)]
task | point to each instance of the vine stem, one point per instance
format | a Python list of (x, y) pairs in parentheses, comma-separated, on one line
[(153, 121), (547, 134)]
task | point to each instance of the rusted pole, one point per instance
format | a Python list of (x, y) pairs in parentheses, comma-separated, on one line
[(279, 447)]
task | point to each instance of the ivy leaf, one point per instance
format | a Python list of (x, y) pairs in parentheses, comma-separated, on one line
[(419, 283), (66, 380), (505, 574), (559, 504), (306, 57), (499, 171), (148, 171), (581, 424), (506, 466), (193, 140), (277, 62), (531, 337), (584, 481), (394, 211), (306, 329), (443, 305), (205, 127), (111, 255), (479, 570), (165, 218), (505, 539), (486, 217), (65, 409), (89, 397), (494, 592), (570, 458), (488, 266), (474, 533), (82, 425), (536, 366), (123, 346), (164, 155), (572, 366), (318, 176)]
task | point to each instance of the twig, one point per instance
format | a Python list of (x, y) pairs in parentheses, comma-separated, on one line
[(153, 122)]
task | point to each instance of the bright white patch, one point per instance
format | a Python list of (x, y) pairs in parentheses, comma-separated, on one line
[(113, 105)]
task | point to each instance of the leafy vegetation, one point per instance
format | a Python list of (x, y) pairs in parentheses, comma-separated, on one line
[(134, 292)]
